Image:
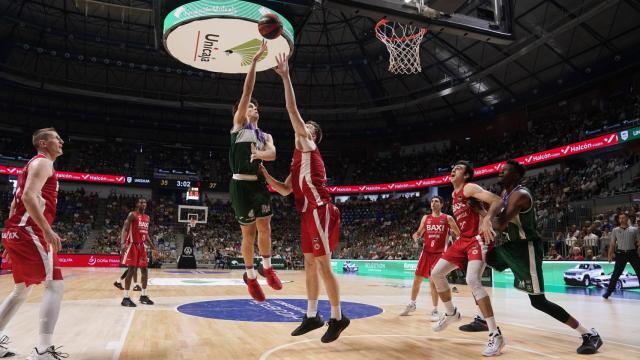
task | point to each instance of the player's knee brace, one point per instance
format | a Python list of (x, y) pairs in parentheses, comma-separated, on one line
[(475, 284)]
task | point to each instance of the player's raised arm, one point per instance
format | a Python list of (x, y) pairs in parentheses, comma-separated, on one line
[(239, 117), (283, 188), (39, 171), (495, 205), (297, 123)]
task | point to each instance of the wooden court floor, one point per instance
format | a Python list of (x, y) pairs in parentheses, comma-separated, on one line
[(93, 325)]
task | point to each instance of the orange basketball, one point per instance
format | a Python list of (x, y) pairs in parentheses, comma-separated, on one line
[(270, 26)]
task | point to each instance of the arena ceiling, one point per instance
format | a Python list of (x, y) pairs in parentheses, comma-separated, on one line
[(110, 49)]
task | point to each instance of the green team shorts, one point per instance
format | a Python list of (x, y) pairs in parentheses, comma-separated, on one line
[(524, 258), (249, 200)]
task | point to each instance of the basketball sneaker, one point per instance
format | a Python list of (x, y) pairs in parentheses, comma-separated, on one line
[(137, 288), (272, 278), (591, 342), (4, 348), (411, 307), (495, 344), (127, 302), (51, 353), (336, 327), (308, 324), (118, 285), (445, 320), (254, 288), (144, 299), (478, 324), (435, 316)]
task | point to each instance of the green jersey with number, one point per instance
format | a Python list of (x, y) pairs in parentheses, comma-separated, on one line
[(523, 227), (240, 151)]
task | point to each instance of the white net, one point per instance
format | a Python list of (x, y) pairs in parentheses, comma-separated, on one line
[(403, 42)]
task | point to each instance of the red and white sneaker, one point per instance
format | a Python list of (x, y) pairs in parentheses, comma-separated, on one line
[(255, 290), (272, 278)]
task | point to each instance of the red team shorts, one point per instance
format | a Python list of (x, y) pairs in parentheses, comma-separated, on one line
[(320, 230), (466, 249), (135, 254), (426, 263), (32, 261)]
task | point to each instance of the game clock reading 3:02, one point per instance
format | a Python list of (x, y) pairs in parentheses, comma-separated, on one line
[(183, 184)]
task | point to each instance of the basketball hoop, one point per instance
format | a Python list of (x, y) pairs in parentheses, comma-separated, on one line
[(403, 43)]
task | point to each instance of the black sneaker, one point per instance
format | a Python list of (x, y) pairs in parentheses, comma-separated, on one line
[(127, 302), (137, 288), (118, 285), (478, 324), (606, 295), (308, 324), (591, 342), (50, 353), (335, 329), (144, 299)]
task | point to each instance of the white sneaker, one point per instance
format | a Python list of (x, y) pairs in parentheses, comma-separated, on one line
[(495, 344), (411, 307), (435, 316), (446, 319), (4, 348), (51, 353)]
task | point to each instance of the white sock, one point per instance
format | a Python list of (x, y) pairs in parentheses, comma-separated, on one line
[(582, 330), (312, 308), (491, 323), (435, 308), (448, 305), (126, 293), (266, 262), (251, 273), (144, 292), (49, 311), (44, 341), (119, 281), (336, 313)]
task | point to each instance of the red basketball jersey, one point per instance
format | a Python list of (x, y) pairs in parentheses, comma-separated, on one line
[(47, 199), (139, 230), (436, 230), (467, 217), (309, 180)]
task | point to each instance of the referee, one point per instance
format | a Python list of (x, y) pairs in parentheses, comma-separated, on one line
[(625, 240)]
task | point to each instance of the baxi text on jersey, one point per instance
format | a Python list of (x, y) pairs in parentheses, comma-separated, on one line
[(435, 227)]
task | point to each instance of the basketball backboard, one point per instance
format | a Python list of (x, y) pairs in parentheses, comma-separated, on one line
[(484, 20)]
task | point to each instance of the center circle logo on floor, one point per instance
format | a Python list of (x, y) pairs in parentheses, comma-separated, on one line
[(271, 310)]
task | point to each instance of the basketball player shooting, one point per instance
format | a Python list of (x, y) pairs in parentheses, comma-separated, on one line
[(319, 218), (250, 197)]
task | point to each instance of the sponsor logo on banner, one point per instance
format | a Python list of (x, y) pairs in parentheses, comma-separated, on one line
[(410, 266), (624, 135), (80, 260), (271, 310)]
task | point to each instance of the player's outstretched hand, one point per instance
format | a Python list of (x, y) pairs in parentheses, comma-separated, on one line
[(263, 48), (282, 68)]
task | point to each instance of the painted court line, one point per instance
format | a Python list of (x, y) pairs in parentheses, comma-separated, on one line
[(123, 337), (269, 352)]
